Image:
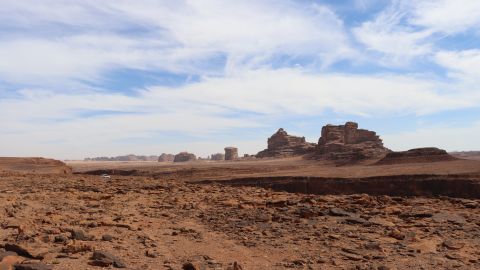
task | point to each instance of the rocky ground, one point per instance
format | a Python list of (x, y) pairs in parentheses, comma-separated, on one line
[(139, 222)]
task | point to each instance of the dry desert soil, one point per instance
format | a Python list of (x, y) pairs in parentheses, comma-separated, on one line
[(270, 214)]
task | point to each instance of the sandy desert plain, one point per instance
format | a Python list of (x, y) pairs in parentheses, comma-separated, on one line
[(272, 213)]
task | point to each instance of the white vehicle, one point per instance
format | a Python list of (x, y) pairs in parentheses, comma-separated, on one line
[(105, 176)]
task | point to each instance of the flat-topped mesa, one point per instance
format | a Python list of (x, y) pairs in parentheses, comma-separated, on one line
[(348, 143), (281, 144), (35, 165), (184, 157), (417, 155)]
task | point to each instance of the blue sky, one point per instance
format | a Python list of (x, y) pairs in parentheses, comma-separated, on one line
[(101, 78)]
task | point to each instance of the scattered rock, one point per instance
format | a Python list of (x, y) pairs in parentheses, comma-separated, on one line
[(373, 245), (60, 239), (381, 222), (353, 257), (104, 259), (355, 220), (189, 266), (151, 253), (32, 251), (454, 256), (305, 212), (107, 237), (339, 212), (74, 248), (33, 266), (235, 266), (397, 234), (454, 245), (448, 217), (7, 261), (6, 254), (80, 235)]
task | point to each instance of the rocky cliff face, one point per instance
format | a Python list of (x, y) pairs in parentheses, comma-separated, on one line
[(184, 157), (281, 144), (347, 143)]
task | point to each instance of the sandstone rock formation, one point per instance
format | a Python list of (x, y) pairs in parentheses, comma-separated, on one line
[(184, 156), (217, 156), (281, 144), (34, 164), (417, 155), (347, 143), (166, 157), (231, 153)]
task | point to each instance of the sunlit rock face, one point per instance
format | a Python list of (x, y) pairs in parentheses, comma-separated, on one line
[(281, 144), (349, 143)]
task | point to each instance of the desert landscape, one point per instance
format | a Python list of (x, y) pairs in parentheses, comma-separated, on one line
[(344, 203), (240, 135)]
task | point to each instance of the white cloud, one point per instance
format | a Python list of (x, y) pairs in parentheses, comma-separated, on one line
[(446, 16), (86, 57), (203, 109), (80, 40), (409, 29), (236, 48), (388, 35), (461, 62), (444, 137)]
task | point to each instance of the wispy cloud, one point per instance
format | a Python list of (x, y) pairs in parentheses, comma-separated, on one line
[(461, 63), (89, 37), (205, 108), (409, 29), (446, 16), (253, 63)]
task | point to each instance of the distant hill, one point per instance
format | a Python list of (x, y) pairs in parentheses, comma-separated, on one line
[(130, 157), (33, 165), (466, 154)]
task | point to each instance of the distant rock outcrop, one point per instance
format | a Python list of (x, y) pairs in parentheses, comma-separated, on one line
[(184, 157), (34, 165), (130, 157), (475, 155), (346, 143), (417, 155), (217, 156), (231, 153), (166, 157), (281, 144)]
